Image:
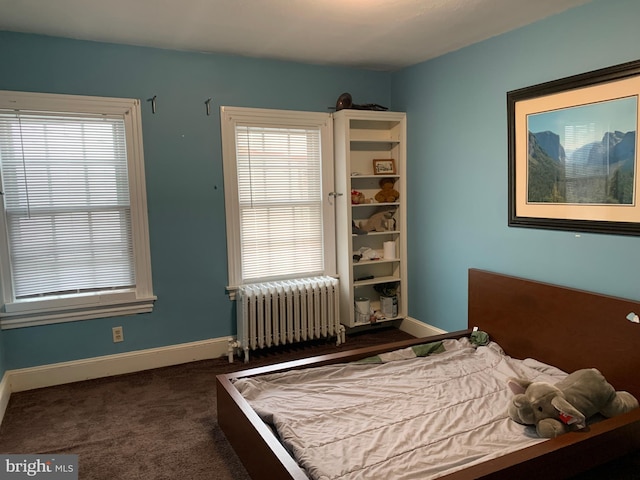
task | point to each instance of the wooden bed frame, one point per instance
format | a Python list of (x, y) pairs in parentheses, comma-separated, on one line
[(568, 328)]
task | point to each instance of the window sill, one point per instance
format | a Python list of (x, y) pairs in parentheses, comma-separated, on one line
[(232, 291), (101, 308)]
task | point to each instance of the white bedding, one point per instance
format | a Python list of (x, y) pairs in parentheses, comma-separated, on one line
[(419, 418)]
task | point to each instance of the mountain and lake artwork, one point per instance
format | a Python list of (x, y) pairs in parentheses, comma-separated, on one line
[(584, 154)]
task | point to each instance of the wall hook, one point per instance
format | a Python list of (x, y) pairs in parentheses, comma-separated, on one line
[(208, 105), (153, 103)]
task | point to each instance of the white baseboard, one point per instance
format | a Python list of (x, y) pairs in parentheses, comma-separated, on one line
[(419, 329), (66, 372)]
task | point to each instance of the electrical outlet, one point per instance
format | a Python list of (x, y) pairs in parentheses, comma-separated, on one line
[(118, 334)]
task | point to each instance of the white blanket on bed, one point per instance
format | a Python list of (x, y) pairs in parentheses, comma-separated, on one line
[(406, 419)]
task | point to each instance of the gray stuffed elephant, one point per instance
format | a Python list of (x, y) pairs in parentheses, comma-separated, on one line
[(565, 406)]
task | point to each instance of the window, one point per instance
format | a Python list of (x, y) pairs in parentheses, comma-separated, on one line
[(73, 230), (278, 168)]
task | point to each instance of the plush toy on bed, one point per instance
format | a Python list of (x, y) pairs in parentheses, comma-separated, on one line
[(565, 406)]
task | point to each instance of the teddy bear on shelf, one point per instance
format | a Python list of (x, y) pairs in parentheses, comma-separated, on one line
[(388, 194)]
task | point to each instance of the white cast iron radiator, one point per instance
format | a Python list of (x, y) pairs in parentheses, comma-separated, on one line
[(288, 311)]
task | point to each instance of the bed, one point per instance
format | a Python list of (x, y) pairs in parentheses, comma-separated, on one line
[(563, 327)]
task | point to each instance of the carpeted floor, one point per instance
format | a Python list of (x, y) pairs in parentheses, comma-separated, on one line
[(161, 424), (152, 425)]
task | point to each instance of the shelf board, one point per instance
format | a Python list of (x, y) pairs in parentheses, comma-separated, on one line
[(395, 175), (386, 232), (381, 320), (375, 204), (375, 137), (376, 280), (375, 262)]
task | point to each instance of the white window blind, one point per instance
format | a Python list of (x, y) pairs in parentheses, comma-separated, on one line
[(278, 172), (66, 196), (280, 199), (74, 234)]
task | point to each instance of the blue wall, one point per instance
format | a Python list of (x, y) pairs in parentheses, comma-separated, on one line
[(183, 171), (457, 155)]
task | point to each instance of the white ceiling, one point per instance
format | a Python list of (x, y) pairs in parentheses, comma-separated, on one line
[(373, 34)]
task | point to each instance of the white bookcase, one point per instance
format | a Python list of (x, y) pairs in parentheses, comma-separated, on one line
[(360, 137)]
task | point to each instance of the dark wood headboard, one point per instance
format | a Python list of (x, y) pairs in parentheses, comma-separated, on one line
[(529, 317)]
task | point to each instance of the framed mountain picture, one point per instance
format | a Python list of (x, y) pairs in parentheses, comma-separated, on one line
[(573, 153)]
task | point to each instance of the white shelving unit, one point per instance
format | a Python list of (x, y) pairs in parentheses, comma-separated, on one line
[(360, 136)]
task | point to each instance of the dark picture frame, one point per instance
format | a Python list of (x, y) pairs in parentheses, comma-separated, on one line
[(573, 153)]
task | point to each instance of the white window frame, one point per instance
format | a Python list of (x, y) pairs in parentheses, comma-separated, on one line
[(233, 116), (101, 304)]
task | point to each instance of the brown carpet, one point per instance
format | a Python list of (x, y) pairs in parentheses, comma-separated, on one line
[(161, 424), (151, 425)]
